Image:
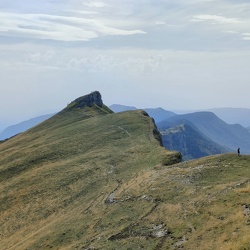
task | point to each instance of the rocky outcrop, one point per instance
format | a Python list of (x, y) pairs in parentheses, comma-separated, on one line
[(94, 98)]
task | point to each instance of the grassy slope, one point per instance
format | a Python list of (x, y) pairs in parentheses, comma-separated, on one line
[(201, 204), (57, 179)]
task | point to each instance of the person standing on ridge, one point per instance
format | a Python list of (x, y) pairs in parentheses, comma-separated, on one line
[(238, 151)]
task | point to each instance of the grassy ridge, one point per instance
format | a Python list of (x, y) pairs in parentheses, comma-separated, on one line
[(58, 180)]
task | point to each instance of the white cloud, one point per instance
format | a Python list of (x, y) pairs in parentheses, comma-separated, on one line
[(160, 23), (94, 4), (82, 12), (61, 28), (246, 36), (42, 57), (231, 32), (216, 19)]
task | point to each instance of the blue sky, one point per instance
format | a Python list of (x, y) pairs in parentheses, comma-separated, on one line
[(182, 54)]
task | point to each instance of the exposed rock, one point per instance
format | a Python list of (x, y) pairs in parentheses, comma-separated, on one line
[(137, 230), (110, 198), (87, 101), (246, 208)]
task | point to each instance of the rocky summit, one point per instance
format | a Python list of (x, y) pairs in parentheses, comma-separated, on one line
[(94, 98)]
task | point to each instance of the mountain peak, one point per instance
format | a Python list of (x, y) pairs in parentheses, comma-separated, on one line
[(94, 98)]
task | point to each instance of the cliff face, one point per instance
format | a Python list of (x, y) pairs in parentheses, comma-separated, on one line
[(87, 101), (189, 142)]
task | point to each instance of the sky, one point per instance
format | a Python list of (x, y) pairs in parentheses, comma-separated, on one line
[(181, 54)]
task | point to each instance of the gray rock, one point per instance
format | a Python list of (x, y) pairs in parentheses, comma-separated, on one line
[(87, 101)]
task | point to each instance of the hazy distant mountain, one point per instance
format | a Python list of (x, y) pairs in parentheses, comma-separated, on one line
[(159, 114), (189, 142), (2, 127), (233, 115), (229, 136), (120, 108), (23, 126)]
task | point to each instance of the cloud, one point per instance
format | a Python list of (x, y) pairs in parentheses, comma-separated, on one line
[(231, 32), (94, 4), (55, 27), (160, 23), (246, 36), (82, 12), (216, 19), (44, 57)]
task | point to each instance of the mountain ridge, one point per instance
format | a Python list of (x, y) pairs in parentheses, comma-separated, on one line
[(22, 126), (229, 116), (233, 115)]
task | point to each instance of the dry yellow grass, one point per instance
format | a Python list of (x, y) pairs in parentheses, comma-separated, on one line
[(245, 189)]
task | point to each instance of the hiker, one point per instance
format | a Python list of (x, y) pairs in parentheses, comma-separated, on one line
[(238, 151)]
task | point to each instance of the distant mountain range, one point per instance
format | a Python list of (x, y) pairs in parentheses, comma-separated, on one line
[(159, 114), (120, 108), (23, 126), (229, 115), (233, 115), (209, 125), (195, 134)]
